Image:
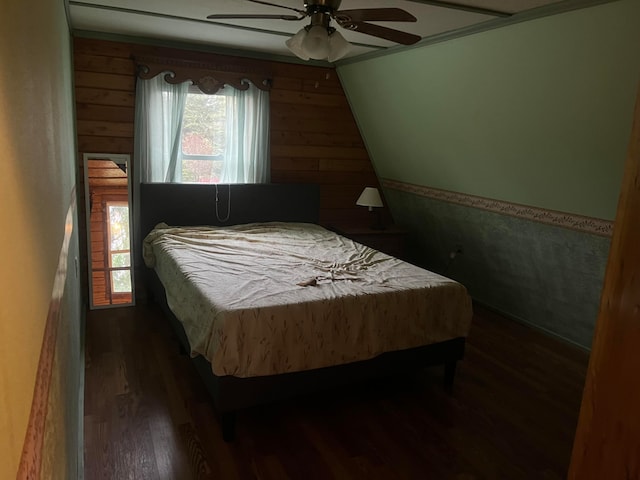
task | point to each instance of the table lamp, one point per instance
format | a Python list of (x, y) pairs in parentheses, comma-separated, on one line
[(370, 197)]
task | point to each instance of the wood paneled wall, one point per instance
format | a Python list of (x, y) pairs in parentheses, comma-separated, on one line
[(314, 137)]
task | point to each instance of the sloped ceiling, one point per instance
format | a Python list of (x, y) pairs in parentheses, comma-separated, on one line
[(185, 22)]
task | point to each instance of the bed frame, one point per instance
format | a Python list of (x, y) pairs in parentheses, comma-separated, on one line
[(187, 205)]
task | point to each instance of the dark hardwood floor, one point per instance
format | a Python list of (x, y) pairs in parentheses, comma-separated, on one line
[(512, 413)]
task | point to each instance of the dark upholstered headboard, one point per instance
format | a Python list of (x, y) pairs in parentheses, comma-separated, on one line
[(189, 204), (192, 204)]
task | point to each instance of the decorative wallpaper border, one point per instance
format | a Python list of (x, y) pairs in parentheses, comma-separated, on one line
[(30, 461), (595, 226)]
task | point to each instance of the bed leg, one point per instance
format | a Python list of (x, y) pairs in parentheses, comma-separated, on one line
[(228, 423), (449, 374)]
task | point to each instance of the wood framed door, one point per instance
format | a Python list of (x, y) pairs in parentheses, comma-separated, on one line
[(607, 441)]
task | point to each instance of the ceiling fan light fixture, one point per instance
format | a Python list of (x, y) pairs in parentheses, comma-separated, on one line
[(316, 43), (295, 44), (320, 41), (338, 46)]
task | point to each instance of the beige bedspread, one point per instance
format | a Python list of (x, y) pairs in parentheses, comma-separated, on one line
[(240, 294)]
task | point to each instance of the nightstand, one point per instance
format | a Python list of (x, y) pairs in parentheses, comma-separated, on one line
[(391, 240)]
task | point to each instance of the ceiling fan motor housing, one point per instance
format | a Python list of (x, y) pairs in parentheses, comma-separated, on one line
[(324, 6), (320, 19)]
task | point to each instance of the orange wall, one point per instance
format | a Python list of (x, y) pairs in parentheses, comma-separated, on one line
[(37, 178)]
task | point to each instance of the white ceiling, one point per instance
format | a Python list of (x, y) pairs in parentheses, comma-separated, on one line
[(185, 21)]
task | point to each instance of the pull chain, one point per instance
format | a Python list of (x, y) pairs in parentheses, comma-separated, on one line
[(228, 205)]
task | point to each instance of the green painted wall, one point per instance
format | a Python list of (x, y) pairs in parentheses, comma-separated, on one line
[(537, 113)]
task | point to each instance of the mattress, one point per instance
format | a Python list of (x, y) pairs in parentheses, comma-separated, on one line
[(270, 298)]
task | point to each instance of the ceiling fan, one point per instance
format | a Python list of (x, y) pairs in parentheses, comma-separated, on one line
[(319, 40)]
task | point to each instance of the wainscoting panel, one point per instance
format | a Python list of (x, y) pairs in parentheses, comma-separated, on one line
[(543, 274)]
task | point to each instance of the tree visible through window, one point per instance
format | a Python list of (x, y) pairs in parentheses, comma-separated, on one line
[(119, 247), (203, 137)]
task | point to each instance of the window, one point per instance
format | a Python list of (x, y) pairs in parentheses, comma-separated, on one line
[(203, 137), (119, 255), (185, 136)]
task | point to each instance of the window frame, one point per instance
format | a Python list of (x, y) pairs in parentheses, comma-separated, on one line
[(195, 90), (109, 252)]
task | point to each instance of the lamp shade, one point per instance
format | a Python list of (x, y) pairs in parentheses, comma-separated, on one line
[(319, 43), (338, 46), (316, 43), (295, 44), (370, 197)]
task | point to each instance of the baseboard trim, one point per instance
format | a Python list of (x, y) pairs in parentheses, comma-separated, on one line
[(522, 321), (83, 329)]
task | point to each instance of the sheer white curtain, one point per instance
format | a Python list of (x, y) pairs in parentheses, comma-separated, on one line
[(246, 158), (158, 126)]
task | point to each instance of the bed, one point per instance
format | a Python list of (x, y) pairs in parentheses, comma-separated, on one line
[(270, 304)]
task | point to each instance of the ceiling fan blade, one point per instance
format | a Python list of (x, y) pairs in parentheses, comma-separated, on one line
[(463, 7), (279, 6), (397, 36), (276, 17), (373, 15)]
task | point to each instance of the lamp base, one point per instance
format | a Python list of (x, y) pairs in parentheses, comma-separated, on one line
[(377, 224)]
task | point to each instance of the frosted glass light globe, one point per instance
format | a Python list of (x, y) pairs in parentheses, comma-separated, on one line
[(316, 43)]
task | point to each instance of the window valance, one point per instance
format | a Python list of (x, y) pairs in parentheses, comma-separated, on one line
[(208, 77)]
